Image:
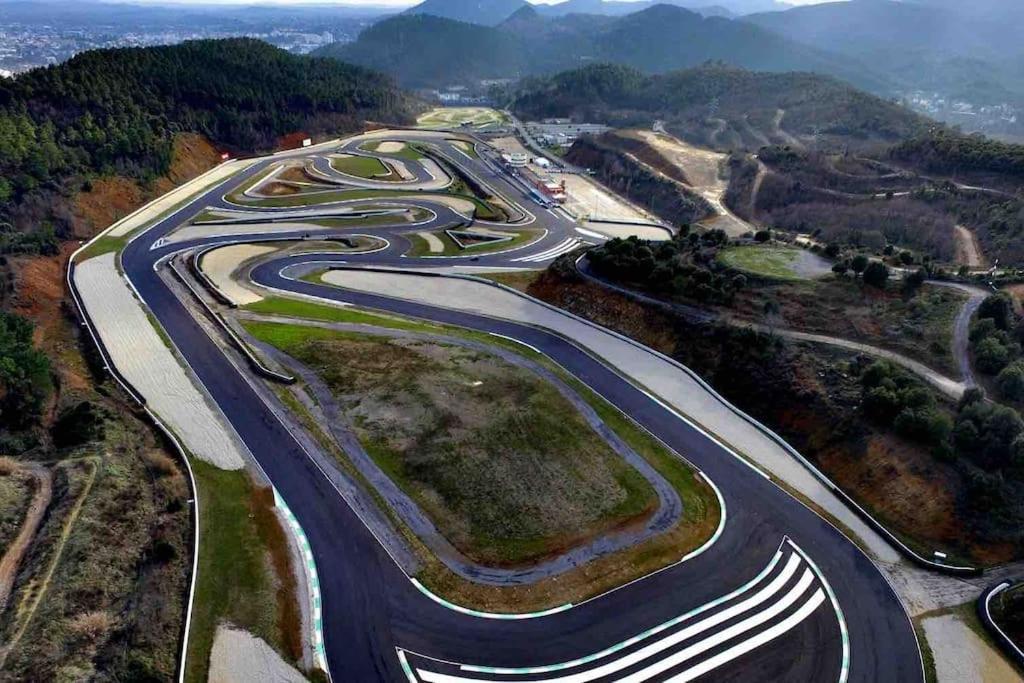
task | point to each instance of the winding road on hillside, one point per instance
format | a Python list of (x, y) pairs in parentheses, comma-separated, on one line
[(780, 594)]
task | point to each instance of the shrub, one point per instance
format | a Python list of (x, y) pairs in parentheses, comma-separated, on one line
[(1011, 381), (876, 274), (915, 279), (991, 356), (859, 263), (998, 308), (762, 236)]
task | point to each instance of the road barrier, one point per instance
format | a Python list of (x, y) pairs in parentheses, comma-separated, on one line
[(163, 430), (236, 341), (1006, 644), (204, 279)]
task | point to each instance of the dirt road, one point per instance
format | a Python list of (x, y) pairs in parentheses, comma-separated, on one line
[(11, 559)]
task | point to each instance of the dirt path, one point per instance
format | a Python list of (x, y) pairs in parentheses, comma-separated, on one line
[(962, 328), (755, 189), (11, 559), (779, 132), (968, 251), (39, 590)]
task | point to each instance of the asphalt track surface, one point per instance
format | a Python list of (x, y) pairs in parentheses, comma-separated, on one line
[(379, 627)]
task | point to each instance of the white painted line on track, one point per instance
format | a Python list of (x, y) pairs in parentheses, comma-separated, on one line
[(757, 641), (658, 646), (794, 595)]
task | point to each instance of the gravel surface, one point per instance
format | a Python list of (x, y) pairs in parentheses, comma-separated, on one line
[(240, 657), (433, 242), (961, 655), (141, 356), (219, 264)]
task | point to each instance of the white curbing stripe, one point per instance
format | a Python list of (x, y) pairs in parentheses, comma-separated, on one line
[(487, 615), (316, 612)]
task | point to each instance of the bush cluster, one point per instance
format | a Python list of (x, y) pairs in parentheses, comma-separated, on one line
[(893, 398), (680, 267)]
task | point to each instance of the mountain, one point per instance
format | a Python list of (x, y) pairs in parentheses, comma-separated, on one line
[(424, 50), (932, 46), (656, 39), (723, 106), (617, 8), (117, 111), (484, 12)]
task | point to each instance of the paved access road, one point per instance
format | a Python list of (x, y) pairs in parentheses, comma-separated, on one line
[(779, 596)]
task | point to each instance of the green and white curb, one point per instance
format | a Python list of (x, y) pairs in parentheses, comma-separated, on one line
[(312, 580), (486, 615)]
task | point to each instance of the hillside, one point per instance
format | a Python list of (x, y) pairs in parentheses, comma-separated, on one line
[(656, 39), (722, 106), (946, 48), (424, 50), (485, 12), (116, 112)]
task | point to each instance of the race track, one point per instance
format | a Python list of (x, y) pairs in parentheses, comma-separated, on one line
[(780, 595)]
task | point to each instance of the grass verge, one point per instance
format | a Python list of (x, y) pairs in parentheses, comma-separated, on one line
[(773, 262), (245, 575)]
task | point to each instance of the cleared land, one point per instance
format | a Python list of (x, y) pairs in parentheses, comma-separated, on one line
[(778, 263), (702, 168), (454, 117), (588, 200), (141, 355), (501, 462), (220, 265)]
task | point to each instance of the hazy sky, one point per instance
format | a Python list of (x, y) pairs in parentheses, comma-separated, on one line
[(393, 3)]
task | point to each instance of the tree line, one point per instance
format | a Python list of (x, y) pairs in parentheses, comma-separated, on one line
[(117, 111)]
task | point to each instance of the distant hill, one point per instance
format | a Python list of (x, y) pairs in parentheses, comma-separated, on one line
[(485, 12), (424, 50), (723, 106), (618, 8), (117, 111), (656, 39), (946, 47)]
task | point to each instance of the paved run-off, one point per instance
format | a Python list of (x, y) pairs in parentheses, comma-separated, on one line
[(150, 366)]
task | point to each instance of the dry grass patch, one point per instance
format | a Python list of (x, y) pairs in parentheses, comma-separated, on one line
[(503, 464)]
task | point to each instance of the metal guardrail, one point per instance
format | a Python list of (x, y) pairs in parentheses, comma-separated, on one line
[(1006, 644), (163, 430), (204, 279), (236, 341)]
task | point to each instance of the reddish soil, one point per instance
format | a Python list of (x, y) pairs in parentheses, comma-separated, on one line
[(39, 292), (114, 197)]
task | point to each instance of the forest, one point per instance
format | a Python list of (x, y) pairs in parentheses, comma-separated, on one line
[(116, 112), (720, 106)]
